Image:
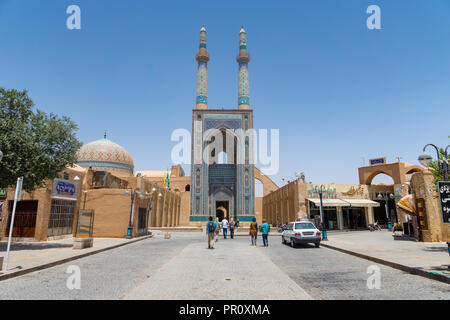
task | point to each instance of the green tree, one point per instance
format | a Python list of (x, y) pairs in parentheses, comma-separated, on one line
[(434, 168), (35, 145)]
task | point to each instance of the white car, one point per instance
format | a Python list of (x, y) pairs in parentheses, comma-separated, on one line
[(301, 232)]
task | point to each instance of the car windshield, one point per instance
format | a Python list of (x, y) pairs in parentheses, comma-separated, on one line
[(307, 225)]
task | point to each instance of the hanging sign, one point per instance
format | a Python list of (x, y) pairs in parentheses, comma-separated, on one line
[(377, 161), (444, 200), (65, 189)]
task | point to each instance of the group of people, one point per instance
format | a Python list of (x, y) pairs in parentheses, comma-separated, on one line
[(264, 228), (213, 230)]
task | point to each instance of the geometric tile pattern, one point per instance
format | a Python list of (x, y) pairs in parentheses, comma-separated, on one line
[(105, 151)]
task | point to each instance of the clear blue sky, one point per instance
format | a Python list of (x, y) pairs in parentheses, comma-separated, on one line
[(336, 90)]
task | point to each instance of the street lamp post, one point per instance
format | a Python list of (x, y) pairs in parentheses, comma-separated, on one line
[(150, 207), (425, 159), (386, 206), (322, 222), (130, 228)]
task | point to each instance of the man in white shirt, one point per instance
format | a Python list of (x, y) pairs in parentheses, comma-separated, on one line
[(225, 227)]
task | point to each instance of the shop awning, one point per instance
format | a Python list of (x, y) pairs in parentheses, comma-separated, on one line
[(361, 203), (329, 202)]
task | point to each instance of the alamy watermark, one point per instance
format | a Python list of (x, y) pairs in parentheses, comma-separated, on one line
[(374, 280), (374, 20), (74, 20), (228, 146), (74, 280)]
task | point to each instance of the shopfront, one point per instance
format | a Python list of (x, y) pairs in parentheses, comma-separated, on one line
[(339, 214), (354, 218), (62, 208), (331, 208)]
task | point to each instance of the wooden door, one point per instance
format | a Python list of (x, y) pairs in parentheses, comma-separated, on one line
[(24, 219)]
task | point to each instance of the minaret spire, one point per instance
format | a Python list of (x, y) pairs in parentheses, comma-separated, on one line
[(202, 72), (243, 59)]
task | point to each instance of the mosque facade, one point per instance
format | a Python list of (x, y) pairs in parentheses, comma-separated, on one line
[(222, 168)]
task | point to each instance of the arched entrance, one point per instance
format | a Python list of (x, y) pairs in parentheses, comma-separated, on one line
[(396, 170), (221, 210), (268, 184)]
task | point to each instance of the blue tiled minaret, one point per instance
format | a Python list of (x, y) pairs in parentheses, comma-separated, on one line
[(202, 58), (243, 59)]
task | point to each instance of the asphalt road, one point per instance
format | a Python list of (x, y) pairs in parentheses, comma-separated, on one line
[(328, 274), (322, 273)]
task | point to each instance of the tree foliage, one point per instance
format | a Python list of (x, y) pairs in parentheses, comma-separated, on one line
[(434, 168), (35, 145)]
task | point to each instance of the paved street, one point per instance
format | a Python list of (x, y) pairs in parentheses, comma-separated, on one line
[(430, 256), (182, 268)]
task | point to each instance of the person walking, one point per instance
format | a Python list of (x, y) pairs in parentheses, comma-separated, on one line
[(265, 232), (211, 232), (225, 227), (232, 229), (236, 225), (253, 231), (317, 221), (217, 229)]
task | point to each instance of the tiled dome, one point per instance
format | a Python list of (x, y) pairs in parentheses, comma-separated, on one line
[(105, 155)]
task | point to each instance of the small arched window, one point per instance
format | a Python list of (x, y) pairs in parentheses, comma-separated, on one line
[(187, 188)]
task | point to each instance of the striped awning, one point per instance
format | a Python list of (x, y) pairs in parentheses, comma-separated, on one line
[(356, 203), (361, 203), (329, 202)]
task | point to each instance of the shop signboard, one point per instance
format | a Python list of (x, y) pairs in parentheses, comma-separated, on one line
[(65, 189), (377, 161), (444, 200)]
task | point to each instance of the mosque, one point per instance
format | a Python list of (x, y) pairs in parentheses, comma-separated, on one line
[(222, 183), (125, 202)]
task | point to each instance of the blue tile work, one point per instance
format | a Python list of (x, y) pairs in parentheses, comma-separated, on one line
[(245, 218), (198, 218)]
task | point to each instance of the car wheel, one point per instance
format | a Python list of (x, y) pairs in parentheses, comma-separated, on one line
[(317, 244), (292, 243), (282, 240)]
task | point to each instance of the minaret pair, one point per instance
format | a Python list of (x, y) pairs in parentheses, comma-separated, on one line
[(243, 59)]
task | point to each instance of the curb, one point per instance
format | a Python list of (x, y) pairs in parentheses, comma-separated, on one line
[(58, 262), (411, 270)]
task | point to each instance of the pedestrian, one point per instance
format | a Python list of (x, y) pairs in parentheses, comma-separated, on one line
[(211, 232), (232, 229), (265, 228), (253, 231), (217, 229), (225, 227), (317, 222), (236, 225)]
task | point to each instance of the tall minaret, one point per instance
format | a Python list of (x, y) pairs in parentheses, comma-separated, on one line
[(243, 59), (202, 72)]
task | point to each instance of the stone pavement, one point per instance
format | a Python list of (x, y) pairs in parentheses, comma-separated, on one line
[(28, 255), (432, 257), (232, 271)]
